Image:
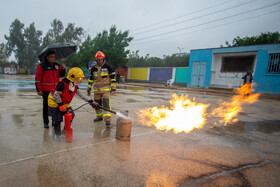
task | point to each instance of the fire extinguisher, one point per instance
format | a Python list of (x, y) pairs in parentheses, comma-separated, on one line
[(68, 127)]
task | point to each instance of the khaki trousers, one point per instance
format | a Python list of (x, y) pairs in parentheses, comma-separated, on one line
[(103, 99)]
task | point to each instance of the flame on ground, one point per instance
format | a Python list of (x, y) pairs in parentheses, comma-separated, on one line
[(184, 115), (229, 110)]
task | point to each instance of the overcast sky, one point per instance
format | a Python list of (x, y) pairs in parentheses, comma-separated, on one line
[(159, 27)]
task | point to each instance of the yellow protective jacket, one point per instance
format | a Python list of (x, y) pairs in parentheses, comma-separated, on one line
[(103, 78)]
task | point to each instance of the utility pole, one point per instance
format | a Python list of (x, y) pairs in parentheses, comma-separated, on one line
[(180, 49)]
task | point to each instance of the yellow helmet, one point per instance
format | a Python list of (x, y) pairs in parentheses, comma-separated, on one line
[(75, 74)]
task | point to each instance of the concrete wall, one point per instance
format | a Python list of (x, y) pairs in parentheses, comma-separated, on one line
[(122, 71), (8, 70), (160, 74), (22, 71), (138, 74), (264, 82), (181, 75), (227, 79)]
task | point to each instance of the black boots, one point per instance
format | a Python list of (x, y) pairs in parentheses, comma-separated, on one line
[(57, 128), (108, 123), (46, 126), (97, 119)]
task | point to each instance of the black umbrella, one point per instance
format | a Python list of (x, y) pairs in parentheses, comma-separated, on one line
[(61, 49)]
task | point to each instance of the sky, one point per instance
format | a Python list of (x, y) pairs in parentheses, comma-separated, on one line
[(159, 27)]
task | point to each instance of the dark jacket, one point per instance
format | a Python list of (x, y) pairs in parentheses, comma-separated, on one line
[(245, 78)]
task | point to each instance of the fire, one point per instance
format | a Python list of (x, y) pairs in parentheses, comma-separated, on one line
[(229, 110), (184, 115)]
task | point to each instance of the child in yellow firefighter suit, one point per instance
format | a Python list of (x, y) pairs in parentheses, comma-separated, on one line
[(103, 79), (59, 99)]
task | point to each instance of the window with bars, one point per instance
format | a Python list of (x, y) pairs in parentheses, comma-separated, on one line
[(274, 64)]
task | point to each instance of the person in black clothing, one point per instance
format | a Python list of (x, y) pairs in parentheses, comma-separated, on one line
[(247, 82), (46, 79), (248, 78), (118, 78)]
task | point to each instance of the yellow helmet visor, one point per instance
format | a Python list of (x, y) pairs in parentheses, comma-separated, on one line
[(79, 80)]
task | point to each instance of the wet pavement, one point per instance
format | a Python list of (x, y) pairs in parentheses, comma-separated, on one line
[(246, 153)]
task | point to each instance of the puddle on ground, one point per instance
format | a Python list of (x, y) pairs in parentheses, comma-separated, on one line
[(132, 88), (154, 97), (266, 127), (131, 101), (18, 118), (17, 84)]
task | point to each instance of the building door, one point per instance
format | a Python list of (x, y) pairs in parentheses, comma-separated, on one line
[(198, 74)]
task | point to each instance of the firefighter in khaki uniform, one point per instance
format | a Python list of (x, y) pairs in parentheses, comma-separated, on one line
[(103, 79)]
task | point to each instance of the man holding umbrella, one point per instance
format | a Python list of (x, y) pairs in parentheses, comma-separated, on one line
[(46, 79)]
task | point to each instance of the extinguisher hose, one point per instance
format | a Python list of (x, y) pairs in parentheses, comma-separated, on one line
[(99, 106), (80, 106), (107, 109)]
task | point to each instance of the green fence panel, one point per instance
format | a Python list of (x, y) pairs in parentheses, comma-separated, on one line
[(181, 75)]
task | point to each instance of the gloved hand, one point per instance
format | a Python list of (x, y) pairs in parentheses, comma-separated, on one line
[(92, 103), (113, 91), (88, 91), (63, 108)]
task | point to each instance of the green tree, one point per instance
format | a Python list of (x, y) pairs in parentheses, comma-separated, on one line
[(3, 53), (73, 60), (135, 60), (54, 34), (33, 40), (155, 62), (177, 61), (73, 34), (113, 43), (84, 55), (15, 40), (57, 33), (24, 43), (263, 38)]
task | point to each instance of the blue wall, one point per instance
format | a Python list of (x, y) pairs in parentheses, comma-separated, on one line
[(265, 83), (201, 55), (269, 47), (160, 74)]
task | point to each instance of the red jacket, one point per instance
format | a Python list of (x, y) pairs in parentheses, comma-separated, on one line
[(66, 96), (47, 76)]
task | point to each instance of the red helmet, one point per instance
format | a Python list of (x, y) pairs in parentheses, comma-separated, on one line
[(99, 55)]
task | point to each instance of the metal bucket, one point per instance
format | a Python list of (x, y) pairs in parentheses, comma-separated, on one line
[(123, 130)]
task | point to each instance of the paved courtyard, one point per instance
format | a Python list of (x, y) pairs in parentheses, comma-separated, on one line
[(246, 153)]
